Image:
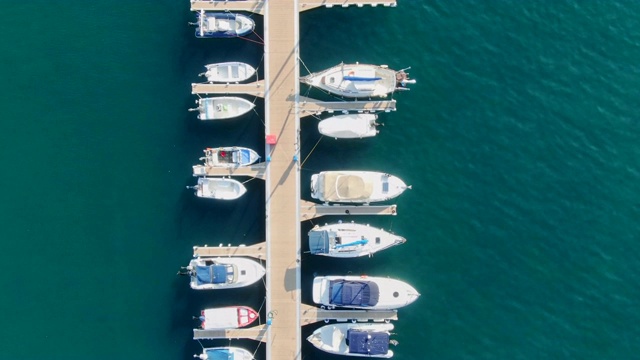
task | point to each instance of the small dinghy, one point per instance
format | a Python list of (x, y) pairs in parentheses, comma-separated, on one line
[(229, 156), (223, 107), (219, 188), (350, 126), (222, 273), (355, 186), (349, 240), (224, 353), (231, 317), (229, 72), (362, 292), (369, 340), (359, 80), (223, 25)]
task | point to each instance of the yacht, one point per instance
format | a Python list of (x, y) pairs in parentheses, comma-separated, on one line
[(349, 240), (361, 187)]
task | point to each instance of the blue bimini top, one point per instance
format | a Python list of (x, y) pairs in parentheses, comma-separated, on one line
[(245, 157), (219, 354), (214, 274), (353, 293), (319, 241), (369, 343)]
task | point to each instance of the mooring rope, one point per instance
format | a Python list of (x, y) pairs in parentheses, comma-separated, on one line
[(311, 152)]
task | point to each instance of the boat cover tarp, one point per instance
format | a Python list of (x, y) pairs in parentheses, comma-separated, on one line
[(353, 293), (245, 156), (319, 241), (221, 318), (341, 187), (214, 274), (370, 343), (219, 354)]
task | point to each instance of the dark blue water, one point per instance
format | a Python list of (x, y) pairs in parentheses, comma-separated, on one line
[(520, 141)]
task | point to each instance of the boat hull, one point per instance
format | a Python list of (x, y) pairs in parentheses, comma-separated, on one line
[(349, 240), (229, 72), (231, 317), (239, 272), (331, 291), (219, 188), (351, 126), (223, 25), (332, 339), (357, 187), (354, 80), (223, 107)]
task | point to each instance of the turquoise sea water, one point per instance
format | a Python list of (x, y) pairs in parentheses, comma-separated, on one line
[(520, 140)]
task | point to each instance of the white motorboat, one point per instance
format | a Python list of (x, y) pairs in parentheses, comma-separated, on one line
[(367, 339), (223, 107), (361, 187), (229, 72), (229, 156), (348, 240), (362, 292), (222, 272), (223, 25), (359, 80), (349, 126), (224, 353), (231, 317), (219, 188)]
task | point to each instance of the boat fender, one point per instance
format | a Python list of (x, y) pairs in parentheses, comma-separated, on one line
[(363, 276)]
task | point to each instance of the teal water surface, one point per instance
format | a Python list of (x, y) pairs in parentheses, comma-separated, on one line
[(520, 141)]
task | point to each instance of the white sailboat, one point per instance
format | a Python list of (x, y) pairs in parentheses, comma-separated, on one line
[(359, 80), (219, 188), (349, 240), (362, 292), (366, 340), (222, 272), (223, 107), (229, 72), (349, 126), (355, 186)]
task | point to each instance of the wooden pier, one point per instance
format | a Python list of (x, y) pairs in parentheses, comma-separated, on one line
[(258, 251), (257, 333), (254, 89), (312, 314), (255, 171), (283, 208)]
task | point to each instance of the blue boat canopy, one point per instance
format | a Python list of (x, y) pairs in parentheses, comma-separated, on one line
[(219, 354), (353, 293), (319, 241), (368, 343), (245, 156), (214, 274)]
